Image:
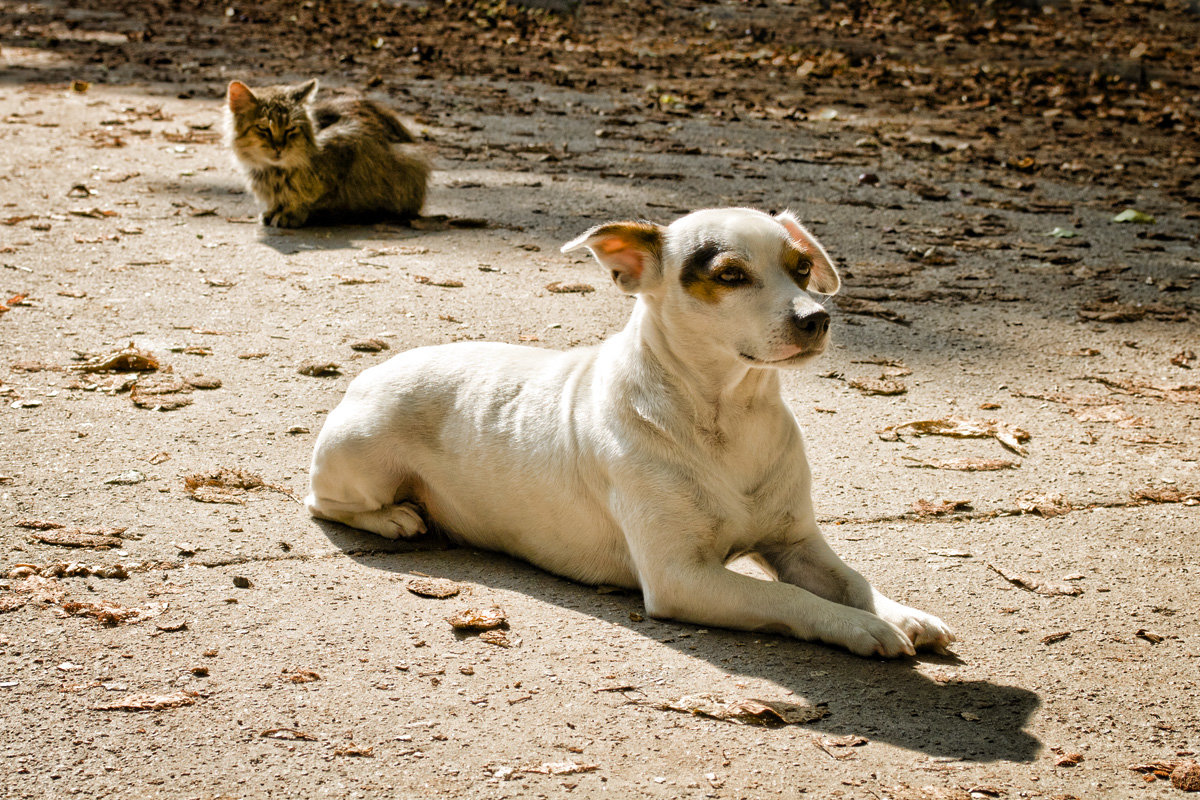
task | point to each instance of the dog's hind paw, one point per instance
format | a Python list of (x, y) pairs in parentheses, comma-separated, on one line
[(392, 522), (923, 630)]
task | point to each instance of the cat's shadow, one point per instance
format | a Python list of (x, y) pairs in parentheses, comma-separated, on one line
[(886, 701)]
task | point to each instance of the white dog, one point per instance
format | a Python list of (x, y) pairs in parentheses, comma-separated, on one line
[(650, 461)]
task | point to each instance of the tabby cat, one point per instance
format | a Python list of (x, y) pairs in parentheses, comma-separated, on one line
[(347, 159)]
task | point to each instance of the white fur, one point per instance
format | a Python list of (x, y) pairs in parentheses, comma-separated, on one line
[(650, 461)]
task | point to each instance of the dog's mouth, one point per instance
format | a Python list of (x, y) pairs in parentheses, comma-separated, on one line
[(795, 358)]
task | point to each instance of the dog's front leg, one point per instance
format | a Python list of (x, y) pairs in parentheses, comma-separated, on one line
[(808, 561), (680, 581)]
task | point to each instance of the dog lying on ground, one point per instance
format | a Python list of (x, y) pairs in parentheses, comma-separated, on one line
[(648, 462)]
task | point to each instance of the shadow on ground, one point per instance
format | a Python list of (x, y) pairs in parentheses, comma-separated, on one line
[(886, 701)]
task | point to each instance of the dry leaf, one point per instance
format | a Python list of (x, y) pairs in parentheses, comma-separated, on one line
[(288, 734), (111, 613), (1046, 505), (963, 428), (1069, 760), (964, 464), (225, 486), (148, 702), (937, 508), (1036, 586), (1152, 638), (433, 587), (561, 768), (558, 287), (498, 637), (1186, 777), (319, 369), (357, 752), (747, 712), (445, 284), (301, 675), (127, 359), (881, 386), (369, 345), (99, 539), (162, 394), (474, 619), (1054, 637)]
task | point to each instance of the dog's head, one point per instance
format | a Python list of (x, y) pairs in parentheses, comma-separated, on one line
[(735, 279)]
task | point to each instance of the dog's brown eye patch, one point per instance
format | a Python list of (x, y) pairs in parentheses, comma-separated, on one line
[(797, 264), (709, 273)]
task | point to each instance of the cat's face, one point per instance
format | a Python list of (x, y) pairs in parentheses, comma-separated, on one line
[(271, 126)]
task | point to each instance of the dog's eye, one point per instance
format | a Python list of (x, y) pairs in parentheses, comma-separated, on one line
[(732, 276)]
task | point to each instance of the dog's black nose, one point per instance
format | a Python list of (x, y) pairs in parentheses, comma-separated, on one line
[(811, 324)]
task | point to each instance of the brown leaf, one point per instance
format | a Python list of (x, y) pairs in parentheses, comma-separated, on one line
[(301, 675), (319, 369), (127, 359), (558, 287), (148, 702), (962, 428), (112, 613), (39, 524), (225, 486), (1069, 760), (99, 539), (474, 619), (561, 768), (497, 637), (964, 464), (288, 734), (356, 752), (1165, 494), (446, 284), (1184, 358), (1054, 637), (748, 712), (1186, 777), (1036, 586), (937, 508), (1045, 505), (870, 386), (369, 345), (433, 587), (1152, 638)]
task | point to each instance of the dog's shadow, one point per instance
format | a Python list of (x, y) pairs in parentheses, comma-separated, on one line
[(884, 701)]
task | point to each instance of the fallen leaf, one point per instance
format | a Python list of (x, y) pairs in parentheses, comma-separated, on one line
[(225, 486), (473, 619), (1134, 216), (288, 734), (99, 539), (148, 702), (1069, 760), (111, 613), (301, 675), (127, 359), (369, 345), (558, 287), (446, 284), (964, 464), (433, 587), (1035, 586), (1160, 769), (883, 387), (1054, 637), (497, 637), (1045, 505), (166, 393), (937, 508), (1165, 494), (960, 427), (1184, 358), (38, 524), (747, 712), (1152, 638), (319, 369), (561, 768), (1186, 777), (356, 752)]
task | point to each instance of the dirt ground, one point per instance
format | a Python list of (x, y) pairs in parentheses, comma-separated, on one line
[(173, 625)]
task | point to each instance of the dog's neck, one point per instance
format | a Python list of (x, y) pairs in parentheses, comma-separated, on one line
[(719, 388)]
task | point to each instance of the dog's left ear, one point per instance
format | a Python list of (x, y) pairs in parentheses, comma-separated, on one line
[(631, 250), (825, 278)]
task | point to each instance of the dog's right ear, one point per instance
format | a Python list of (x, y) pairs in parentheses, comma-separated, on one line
[(240, 98), (631, 250)]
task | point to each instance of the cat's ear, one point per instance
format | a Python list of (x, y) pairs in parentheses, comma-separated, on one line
[(304, 92), (240, 98)]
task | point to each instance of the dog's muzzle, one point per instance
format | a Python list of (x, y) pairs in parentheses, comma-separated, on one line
[(809, 326)]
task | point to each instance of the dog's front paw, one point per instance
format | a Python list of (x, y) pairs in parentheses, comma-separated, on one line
[(923, 630), (869, 635), (398, 522)]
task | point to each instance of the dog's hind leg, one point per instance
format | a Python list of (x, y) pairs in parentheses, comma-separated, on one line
[(344, 488)]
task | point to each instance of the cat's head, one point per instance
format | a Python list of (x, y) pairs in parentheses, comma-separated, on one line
[(271, 126)]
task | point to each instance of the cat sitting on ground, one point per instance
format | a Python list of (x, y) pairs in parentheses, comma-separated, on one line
[(347, 159)]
